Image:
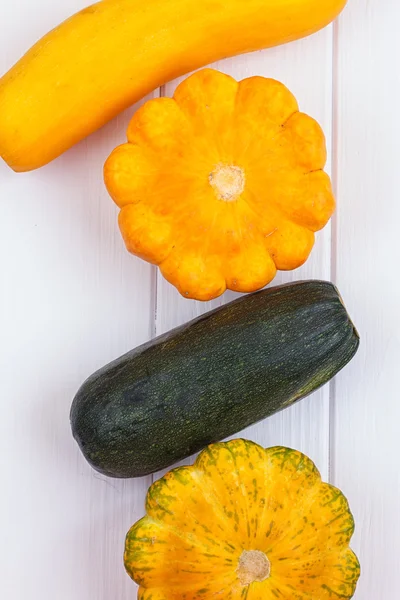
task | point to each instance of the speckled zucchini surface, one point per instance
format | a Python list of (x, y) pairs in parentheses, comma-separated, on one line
[(212, 378)]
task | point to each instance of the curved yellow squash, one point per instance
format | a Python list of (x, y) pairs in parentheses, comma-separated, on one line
[(108, 56), (244, 523)]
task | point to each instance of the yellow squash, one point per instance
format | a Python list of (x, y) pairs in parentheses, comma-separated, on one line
[(221, 185), (244, 523), (108, 56)]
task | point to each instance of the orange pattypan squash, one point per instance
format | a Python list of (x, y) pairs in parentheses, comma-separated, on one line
[(244, 523), (222, 184)]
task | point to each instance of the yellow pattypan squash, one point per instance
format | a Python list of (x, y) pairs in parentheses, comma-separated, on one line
[(244, 523), (222, 184)]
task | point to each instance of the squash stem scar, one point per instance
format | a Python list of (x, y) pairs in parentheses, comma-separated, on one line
[(228, 182), (253, 566)]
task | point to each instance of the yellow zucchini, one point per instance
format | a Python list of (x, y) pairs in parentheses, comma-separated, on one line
[(111, 54)]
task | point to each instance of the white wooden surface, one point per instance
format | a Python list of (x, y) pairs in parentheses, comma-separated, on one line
[(71, 299)]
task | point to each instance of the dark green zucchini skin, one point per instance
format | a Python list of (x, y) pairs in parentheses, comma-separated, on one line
[(212, 378)]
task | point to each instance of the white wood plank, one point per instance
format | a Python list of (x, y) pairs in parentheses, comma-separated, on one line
[(366, 407), (306, 68), (71, 300)]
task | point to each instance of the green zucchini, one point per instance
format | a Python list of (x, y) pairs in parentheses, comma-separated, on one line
[(212, 377)]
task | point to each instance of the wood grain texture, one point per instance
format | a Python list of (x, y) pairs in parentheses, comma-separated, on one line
[(366, 407), (71, 300)]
